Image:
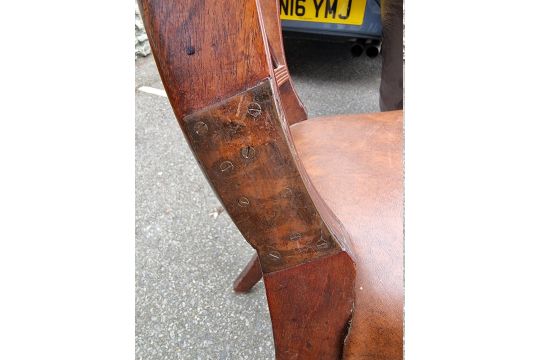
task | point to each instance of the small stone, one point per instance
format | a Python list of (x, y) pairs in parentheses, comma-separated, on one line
[(142, 38)]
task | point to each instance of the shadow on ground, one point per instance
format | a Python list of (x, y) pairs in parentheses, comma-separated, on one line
[(330, 80)]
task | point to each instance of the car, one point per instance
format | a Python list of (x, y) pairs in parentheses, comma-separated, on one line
[(358, 21)]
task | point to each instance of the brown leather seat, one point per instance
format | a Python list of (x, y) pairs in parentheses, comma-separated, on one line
[(356, 164), (233, 97)]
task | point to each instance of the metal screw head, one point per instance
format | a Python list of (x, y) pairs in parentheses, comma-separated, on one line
[(274, 256), (200, 128), (243, 201), (322, 244), (286, 193), (226, 166), (254, 109), (295, 236), (248, 152)]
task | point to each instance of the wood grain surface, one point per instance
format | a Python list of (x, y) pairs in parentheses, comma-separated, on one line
[(243, 149), (224, 71), (205, 51), (251, 275), (310, 306)]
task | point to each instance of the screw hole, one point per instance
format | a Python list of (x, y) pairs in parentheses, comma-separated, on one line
[(243, 201), (248, 152)]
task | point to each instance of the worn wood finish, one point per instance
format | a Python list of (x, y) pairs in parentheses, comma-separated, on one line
[(202, 62), (310, 308), (292, 105), (291, 108), (225, 74), (242, 147), (272, 30), (250, 276), (205, 51)]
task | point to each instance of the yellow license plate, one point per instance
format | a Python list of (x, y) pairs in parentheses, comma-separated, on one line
[(350, 12)]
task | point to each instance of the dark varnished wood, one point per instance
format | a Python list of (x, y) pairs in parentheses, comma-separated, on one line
[(215, 63), (251, 275), (292, 105), (194, 56), (241, 145), (205, 51), (310, 308), (225, 74)]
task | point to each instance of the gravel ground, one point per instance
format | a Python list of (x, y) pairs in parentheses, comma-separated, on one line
[(188, 252)]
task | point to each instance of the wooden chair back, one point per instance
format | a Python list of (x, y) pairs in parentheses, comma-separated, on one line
[(224, 70), (223, 67)]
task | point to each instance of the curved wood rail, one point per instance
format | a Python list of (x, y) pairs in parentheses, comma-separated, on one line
[(234, 102)]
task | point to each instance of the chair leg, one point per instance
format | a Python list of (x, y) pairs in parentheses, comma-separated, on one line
[(310, 307), (249, 276)]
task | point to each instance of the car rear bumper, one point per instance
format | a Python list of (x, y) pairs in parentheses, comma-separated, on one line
[(371, 27)]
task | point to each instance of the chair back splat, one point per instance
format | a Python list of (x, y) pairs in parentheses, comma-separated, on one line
[(224, 71)]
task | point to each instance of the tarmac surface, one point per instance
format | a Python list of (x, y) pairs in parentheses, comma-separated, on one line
[(188, 251)]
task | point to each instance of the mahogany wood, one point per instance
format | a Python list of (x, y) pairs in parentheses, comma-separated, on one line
[(224, 71), (205, 51), (242, 147), (250, 276), (310, 308), (292, 105)]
